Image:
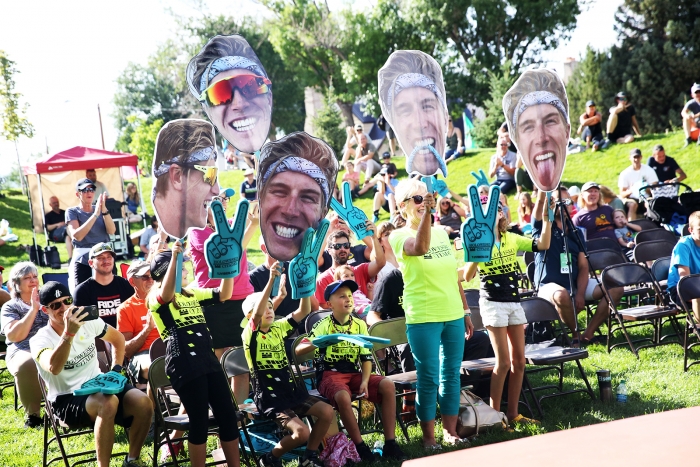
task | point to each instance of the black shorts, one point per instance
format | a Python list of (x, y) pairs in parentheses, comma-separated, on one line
[(224, 323), (71, 410), (284, 417)]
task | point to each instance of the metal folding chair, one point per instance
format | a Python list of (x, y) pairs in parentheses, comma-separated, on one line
[(652, 250), (655, 234), (689, 289)]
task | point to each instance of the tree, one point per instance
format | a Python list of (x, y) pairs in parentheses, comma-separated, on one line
[(328, 125), (14, 120), (479, 35), (584, 85), (500, 83), (657, 60), (143, 140)]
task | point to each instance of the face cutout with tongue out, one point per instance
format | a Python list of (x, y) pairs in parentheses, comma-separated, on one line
[(543, 135)]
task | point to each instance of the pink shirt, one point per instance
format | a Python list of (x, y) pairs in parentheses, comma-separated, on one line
[(241, 284), (361, 277)]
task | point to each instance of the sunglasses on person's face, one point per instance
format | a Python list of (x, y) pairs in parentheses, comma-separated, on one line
[(88, 190), (249, 86), (418, 199), (445, 203), (209, 172), (145, 277), (55, 306), (338, 246)]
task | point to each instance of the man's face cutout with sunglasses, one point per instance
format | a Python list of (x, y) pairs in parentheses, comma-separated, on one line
[(185, 175), (234, 90)]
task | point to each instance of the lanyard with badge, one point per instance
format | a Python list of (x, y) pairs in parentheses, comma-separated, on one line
[(564, 260)]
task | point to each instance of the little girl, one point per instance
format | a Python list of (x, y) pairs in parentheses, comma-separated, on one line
[(362, 301), (193, 369), (625, 232), (525, 209)]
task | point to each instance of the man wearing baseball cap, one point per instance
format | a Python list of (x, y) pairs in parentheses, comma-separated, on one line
[(67, 358), (691, 116), (136, 323), (106, 290), (631, 180), (249, 187), (595, 217), (622, 121), (591, 128)]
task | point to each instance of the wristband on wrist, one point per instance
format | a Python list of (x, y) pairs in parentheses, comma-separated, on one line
[(68, 334), (105, 213)]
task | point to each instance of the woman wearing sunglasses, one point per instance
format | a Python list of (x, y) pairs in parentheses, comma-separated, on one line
[(88, 225), (234, 90), (437, 314), (186, 175)]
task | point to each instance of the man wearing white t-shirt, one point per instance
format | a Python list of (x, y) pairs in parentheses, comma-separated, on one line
[(631, 179), (66, 358)]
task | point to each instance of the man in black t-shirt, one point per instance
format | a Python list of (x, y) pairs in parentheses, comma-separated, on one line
[(55, 223), (666, 168), (691, 116), (249, 187), (105, 290), (622, 121)]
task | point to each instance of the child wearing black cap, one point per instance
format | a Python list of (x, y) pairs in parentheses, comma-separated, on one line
[(276, 395), (191, 365), (338, 376)]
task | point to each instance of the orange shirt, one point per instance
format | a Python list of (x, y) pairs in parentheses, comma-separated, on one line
[(131, 317)]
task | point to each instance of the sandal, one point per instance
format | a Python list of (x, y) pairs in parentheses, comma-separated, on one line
[(522, 420), (594, 340)]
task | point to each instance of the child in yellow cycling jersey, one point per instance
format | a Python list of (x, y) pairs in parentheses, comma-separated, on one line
[(275, 393), (499, 305), (338, 376)]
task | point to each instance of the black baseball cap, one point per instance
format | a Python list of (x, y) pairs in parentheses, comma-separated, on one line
[(386, 155), (84, 183), (590, 104), (636, 152), (621, 95), (658, 147), (160, 263), (334, 286), (51, 291)]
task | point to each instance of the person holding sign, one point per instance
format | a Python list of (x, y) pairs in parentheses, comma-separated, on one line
[(437, 314), (499, 302), (296, 178)]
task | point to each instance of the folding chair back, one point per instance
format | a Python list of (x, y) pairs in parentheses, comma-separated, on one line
[(531, 273), (652, 250), (689, 289), (234, 362), (157, 349), (528, 257), (659, 269), (602, 244), (472, 296), (645, 224), (600, 259), (315, 317), (539, 309), (655, 234), (393, 329), (61, 277), (626, 275)]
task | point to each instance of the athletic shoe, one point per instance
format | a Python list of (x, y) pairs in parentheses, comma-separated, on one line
[(365, 452), (688, 142), (33, 421), (268, 460), (393, 451), (311, 461), (606, 144), (134, 463)]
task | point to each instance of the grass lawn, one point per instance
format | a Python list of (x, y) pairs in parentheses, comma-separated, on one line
[(656, 382)]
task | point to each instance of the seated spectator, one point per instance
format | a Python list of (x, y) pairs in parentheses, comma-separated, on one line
[(450, 216), (133, 203), (55, 222), (148, 233), (65, 354), (20, 320), (366, 157), (384, 229), (384, 196), (595, 217), (353, 178), (553, 281), (591, 128), (274, 391), (351, 140), (362, 301), (506, 209), (622, 121), (99, 186), (685, 260), (525, 206), (609, 198), (666, 167), (249, 187), (106, 290), (631, 180), (388, 165), (338, 246), (344, 369), (625, 232), (4, 292), (136, 323), (503, 131), (503, 166), (691, 116), (358, 253), (455, 142)]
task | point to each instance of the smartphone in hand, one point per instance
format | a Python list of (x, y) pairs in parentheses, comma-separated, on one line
[(90, 312)]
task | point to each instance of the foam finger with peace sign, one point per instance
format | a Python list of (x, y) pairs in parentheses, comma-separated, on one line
[(223, 250), (481, 178), (354, 216), (478, 232), (303, 268)]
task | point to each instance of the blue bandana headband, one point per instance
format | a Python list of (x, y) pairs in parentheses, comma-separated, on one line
[(412, 80), (199, 155), (228, 63), (537, 98), (302, 166)]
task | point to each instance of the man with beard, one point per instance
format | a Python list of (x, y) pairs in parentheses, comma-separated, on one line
[(338, 246), (105, 290)]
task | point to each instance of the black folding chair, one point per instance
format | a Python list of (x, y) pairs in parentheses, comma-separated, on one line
[(315, 317), (604, 243), (689, 289), (11, 383), (645, 224), (659, 269), (638, 279), (655, 234), (652, 250)]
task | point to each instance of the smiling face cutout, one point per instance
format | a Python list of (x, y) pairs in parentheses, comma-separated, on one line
[(412, 99), (296, 178), (234, 90), (536, 109)]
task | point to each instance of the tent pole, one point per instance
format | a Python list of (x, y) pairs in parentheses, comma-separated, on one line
[(43, 214), (138, 181)]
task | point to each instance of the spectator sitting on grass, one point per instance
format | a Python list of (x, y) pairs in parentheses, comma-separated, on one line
[(503, 166), (450, 217), (591, 128), (666, 168), (525, 207), (622, 121), (691, 116), (685, 260)]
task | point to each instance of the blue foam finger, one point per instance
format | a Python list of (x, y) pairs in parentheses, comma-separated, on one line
[(441, 187), (223, 249), (429, 183), (353, 216), (481, 178), (356, 340), (303, 268), (550, 210), (377, 340), (478, 232), (438, 157), (325, 341)]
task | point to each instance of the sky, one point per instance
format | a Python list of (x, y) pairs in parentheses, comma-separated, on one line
[(70, 53)]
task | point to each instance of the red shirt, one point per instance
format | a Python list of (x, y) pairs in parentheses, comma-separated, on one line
[(131, 317), (361, 277)]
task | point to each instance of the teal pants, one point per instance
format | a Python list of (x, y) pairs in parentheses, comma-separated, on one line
[(437, 350)]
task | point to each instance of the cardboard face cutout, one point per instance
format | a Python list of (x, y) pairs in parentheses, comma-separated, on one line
[(229, 81), (185, 175), (412, 99), (537, 111), (296, 177)]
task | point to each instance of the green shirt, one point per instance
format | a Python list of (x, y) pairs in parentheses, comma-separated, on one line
[(431, 292), (499, 277)]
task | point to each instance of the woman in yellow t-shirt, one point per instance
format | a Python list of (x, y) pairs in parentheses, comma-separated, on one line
[(499, 305), (435, 309)]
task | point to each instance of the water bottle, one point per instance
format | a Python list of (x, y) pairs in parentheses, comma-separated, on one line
[(622, 392), (378, 448)]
